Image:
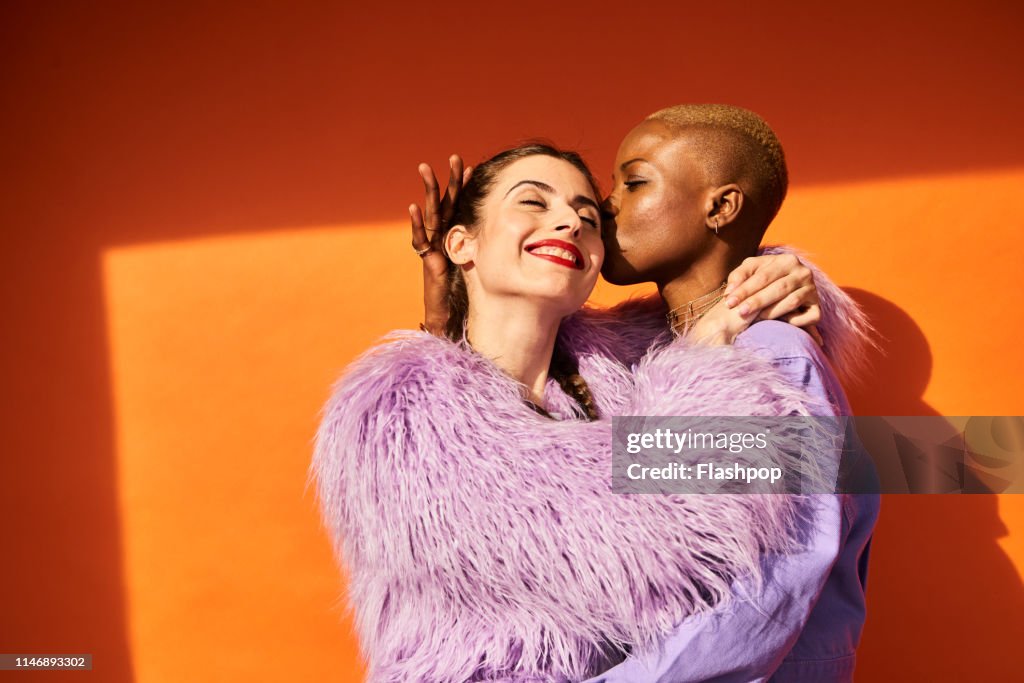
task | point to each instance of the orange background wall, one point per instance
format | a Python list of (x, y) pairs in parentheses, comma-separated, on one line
[(203, 222)]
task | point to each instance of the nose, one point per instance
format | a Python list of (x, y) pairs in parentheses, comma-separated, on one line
[(569, 220), (574, 230)]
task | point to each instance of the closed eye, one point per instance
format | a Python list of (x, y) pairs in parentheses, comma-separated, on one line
[(534, 202), (588, 219), (631, 185)]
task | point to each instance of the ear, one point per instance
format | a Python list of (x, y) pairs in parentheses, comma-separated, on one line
[(460, 245), (723, 206)]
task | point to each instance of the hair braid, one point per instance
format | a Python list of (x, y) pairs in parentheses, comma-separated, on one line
[(565, 371)]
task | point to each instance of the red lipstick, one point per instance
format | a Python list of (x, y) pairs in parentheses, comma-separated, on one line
[(571, 248)]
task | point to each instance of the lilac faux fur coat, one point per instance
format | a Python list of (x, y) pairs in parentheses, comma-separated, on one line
[(482, 541)]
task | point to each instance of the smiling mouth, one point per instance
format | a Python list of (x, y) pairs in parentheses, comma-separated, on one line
[(557, 251)]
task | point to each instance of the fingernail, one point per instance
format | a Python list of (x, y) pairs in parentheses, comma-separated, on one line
[(744, 310), (731, 301), (728, 290)]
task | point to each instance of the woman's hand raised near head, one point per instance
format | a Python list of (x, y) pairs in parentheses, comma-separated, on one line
[(780, 287), (427, 228)]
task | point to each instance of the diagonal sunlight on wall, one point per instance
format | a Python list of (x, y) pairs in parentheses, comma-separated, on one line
[(223, 351), (945, 250)]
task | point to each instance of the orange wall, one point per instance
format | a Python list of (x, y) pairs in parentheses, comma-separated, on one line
[(202, 222)]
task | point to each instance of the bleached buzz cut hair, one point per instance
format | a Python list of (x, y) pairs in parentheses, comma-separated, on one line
[(737, 146)]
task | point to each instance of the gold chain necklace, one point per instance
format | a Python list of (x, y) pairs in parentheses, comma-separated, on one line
[(695, 309)]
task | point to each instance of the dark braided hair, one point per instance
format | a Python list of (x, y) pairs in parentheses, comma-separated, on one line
[(564, 368)]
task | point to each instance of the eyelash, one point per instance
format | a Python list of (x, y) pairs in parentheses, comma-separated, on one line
[(631, 185), (534, 202)]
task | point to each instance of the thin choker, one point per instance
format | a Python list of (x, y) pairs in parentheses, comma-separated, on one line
[(692, 311)]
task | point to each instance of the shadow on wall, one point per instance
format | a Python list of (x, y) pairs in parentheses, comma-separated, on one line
[(946, 602), (63, 583), (156, 122)]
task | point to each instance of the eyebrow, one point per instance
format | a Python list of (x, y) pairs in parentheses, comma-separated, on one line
[(578, 199), (624, 164)]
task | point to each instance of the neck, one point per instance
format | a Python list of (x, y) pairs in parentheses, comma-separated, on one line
[(698, 278), (518, 336)]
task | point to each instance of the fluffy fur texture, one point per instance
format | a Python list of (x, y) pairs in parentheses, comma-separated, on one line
[(627, 331), (844, 326), (482, 540)]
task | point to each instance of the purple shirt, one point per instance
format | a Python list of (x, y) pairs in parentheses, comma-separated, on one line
[(805, 624)]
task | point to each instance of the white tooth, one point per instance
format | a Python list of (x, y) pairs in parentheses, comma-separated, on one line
[(556, 251)]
